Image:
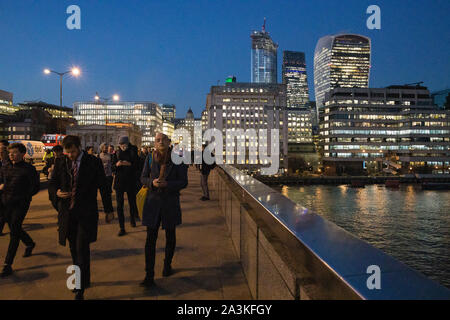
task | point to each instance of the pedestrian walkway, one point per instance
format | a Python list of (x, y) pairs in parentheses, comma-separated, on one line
[(205, 263)]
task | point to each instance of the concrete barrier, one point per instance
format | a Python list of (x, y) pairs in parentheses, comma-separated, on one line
[(288, 252)]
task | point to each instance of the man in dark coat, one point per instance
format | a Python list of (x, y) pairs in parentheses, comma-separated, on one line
[(4, 160), (205, 169), (77, 178), (126, 180), (19, 182), (162, 206)]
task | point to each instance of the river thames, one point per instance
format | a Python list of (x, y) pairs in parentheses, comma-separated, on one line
[(407, 223)]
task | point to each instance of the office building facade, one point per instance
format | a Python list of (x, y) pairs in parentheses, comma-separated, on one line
[(146, 115), (245, 106), (263, 57), (341, 61), (393, 130), (94, 135), (295, 79)]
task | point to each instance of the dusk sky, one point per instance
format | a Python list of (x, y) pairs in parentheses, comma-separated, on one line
[(173, 51)]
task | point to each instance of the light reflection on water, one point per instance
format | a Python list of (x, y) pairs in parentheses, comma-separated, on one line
[(408, 223)]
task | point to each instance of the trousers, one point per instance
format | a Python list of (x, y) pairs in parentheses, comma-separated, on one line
[(131, 195), (14, 214), (80, 249), (204, 184), (150, 248), (106, 192)]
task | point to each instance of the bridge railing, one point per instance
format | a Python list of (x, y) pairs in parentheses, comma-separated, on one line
[(289, 252)]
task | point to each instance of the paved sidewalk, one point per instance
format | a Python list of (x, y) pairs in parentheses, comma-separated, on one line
[(205, 263)]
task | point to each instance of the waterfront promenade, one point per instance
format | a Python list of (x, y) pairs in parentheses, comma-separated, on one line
[(205, 263)]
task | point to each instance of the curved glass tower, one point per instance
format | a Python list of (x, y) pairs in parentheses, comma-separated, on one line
[(341, 61), (264, 57)]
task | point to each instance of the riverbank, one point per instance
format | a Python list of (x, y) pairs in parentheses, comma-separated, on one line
[(360, 180)]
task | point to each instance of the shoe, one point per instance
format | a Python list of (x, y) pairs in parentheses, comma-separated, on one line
[(147, 282), (122, 232), (29, 250), (7, 271), (133, 224), (204, 198), (167, 271), (79, 295)]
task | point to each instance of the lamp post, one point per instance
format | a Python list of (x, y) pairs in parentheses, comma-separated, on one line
[(115, 97), (74, 71)]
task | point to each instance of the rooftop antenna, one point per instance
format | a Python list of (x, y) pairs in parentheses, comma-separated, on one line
[(264, 25)]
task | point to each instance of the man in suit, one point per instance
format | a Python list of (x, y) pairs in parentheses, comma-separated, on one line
[(162, 207), (77, 179), (19, 182)]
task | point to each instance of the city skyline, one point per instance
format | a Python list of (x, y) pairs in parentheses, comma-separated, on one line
[(221, 48)]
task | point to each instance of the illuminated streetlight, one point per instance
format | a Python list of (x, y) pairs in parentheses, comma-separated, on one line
[(74, 71), (97, 97)]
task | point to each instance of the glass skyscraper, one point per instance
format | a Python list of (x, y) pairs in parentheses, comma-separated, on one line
[(294, 77), (264, 57), (341, 61)]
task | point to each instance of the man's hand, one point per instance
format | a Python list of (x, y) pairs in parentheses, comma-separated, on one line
[(162, 183), (2, 186), (63, 195), (155, 183), (118, 163), (126, 163)]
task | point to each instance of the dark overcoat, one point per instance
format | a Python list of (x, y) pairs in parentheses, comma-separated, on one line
[(163, 204), (127, 177), (91, 177)]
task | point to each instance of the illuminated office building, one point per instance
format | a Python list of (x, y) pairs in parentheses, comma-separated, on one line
[(146, 115), (341, 61), (168, 128), (263, 57), (250, 106), (299, 125), (294, 77), (168, 112), (395, 129)]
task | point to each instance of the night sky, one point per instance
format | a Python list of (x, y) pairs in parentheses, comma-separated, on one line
[(173, 51)]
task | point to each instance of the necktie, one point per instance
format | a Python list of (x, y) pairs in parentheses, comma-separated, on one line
[(74, 183)]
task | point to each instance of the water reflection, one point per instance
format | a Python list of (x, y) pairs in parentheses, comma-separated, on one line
[(410, 224)]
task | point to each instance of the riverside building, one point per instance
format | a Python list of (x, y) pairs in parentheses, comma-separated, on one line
[(396, 129), (341, 61)]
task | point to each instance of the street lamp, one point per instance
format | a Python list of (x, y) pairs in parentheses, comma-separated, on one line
[(74, 71), (97, 97)]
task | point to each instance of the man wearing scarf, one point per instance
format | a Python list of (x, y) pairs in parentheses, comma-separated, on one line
[(164, 180)]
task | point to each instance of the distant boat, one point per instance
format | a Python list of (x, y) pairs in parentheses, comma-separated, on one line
[(357, 184), (435, 186), (392, 183)]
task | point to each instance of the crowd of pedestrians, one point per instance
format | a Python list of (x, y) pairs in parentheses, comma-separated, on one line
[(75, 178)]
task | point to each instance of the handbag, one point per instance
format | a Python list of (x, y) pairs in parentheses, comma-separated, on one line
[(141, 196)]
